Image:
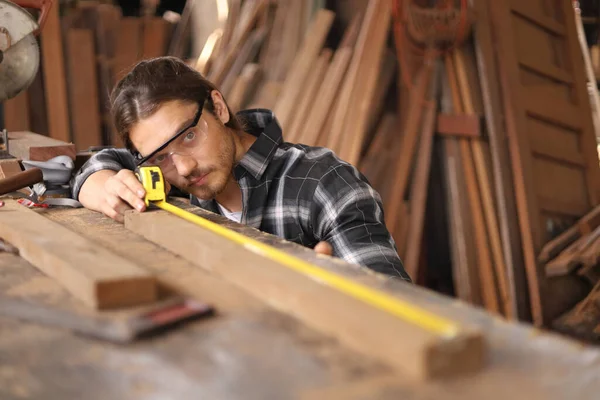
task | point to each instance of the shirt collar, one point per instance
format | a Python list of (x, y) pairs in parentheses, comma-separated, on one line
[(262, 124)]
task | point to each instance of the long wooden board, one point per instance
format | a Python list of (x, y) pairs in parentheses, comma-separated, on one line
[(417, 352), (83, 90), (55, 86), (101, 279)]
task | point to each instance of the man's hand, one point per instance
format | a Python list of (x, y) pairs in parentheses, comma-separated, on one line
[(113, 193), (324, 248)]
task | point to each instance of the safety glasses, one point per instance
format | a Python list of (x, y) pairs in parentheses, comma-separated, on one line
[(153, 157)]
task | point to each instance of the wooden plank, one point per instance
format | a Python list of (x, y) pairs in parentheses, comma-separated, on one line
[(253, 10), (547, 70), (485, 191), (541, 102), (368, 72), (552, 141), (313, 94), (245, 54), (325, 97), (407, 148), (128, 50), (420, 354), (313, 131), (462, 250), (94, 275), (480, 235), (83, 90), (16, 113), (588, 140), (244, 85), (528, 10), (156, 35), (308, 53), (55, 86), (418, 193), (31, 146), (338, 119), (459, 125)]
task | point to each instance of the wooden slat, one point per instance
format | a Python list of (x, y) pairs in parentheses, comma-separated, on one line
[(541, 102), (244, 85), (480, 235), (55, 86), (553, 141), (420, 181), (324, 98), (420, 354), (303, 61), (527, 10), (245, 54), (16, 113), (485, 191), (313, 129), (156, 35), (313, 94), (128, 49), (367, 75), (546, 70), (94, 275), (252, 11), (83, 90), (408, 146), (459, 125)]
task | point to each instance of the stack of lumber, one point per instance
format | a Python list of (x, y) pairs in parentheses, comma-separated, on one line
[(321, 94), (85, 50), (496, 136)]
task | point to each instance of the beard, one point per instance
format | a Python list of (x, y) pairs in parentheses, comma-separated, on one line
[(219, 174)]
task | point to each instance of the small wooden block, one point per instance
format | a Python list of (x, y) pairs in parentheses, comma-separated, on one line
[(31, 146), (459, 125), (101, 279), (9, 168)]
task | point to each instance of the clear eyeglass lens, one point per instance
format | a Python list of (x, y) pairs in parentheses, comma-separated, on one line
[(186, 145)]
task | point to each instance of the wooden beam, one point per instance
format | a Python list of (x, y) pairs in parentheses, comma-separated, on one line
[(101, 279), (419, 354)]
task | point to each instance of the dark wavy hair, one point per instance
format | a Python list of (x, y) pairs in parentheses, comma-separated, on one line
[(153, 82)]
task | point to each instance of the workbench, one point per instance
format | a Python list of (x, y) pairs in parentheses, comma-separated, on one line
[(249, 350)]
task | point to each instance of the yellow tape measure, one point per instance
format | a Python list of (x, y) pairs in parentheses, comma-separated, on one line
[(152, 180)]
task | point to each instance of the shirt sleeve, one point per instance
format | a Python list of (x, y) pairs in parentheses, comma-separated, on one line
[(348, 214), (111, 159)]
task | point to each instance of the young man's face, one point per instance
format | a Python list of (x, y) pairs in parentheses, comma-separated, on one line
[(199, 161)]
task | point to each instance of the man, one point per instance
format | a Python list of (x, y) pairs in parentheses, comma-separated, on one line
[(168, 115)]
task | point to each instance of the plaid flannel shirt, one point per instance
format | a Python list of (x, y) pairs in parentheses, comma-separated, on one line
[(299, 193)]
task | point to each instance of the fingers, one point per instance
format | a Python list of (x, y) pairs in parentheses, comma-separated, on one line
[(324, 248), (126, 187), (123, 192)]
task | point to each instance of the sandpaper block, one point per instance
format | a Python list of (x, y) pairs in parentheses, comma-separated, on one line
[(159, 318)]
